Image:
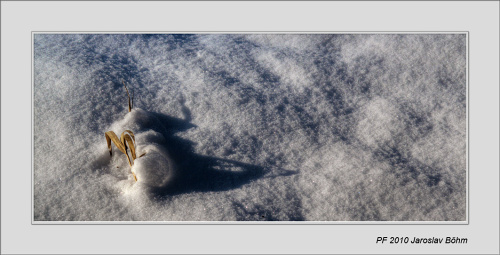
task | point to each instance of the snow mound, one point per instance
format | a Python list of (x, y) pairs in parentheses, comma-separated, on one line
[(153, 166)]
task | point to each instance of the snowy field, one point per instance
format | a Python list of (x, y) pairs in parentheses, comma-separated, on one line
[(320, 127)]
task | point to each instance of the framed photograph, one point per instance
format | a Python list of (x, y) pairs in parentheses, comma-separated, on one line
[(250, 127)]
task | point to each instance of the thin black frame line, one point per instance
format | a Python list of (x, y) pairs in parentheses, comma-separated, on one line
[(467, 180), (274, 223), (250, 223), (250, 32), (298, 223), (32, 128)]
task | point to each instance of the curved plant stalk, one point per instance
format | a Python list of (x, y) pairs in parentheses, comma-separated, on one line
[(127, 138), (130, 140)]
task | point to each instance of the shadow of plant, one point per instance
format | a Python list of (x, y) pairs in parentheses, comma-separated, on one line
[(200, 173)]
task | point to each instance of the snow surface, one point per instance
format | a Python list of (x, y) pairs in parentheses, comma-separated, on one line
[(251, 127)]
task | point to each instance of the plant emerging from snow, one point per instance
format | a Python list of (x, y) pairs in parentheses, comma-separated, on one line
[(127, 140), (127, 137)]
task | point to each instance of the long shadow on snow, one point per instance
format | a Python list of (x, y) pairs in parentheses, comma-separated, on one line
[(200, 173)]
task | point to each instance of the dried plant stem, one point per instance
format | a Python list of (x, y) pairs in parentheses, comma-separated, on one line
[(126, 141), (130, 101), (127, 138)]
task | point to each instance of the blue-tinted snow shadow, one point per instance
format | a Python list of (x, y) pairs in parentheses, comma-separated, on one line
[(201, 173)]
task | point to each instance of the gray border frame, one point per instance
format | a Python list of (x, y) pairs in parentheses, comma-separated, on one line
[(467, 204)]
